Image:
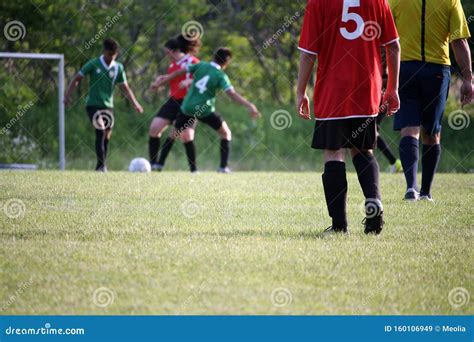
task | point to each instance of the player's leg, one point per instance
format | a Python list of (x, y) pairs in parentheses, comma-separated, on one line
[(408, 120), (435, 93), (157, 126), (220, 126), (382, 145), (165, 150), (185, 127), (101, 137)]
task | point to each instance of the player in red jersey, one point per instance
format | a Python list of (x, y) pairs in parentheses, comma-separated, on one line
[(345, 37), (181, 53)]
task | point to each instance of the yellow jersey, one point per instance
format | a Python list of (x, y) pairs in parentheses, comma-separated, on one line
[(426, 27)]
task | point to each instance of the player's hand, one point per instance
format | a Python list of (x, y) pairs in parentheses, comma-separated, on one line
[(138, 108), (302, 106), (254, 113), (466, 93), (185, 83), (390, 102)]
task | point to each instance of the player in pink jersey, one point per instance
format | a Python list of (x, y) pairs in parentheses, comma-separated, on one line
[(345, 37)]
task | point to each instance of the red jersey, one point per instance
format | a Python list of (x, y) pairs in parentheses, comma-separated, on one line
[(176, 92), (347, 35)]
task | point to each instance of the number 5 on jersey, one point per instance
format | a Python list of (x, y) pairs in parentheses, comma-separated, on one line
[(347, 16), (202, 84)]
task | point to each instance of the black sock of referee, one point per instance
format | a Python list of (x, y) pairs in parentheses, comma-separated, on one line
[(409, 158), (100, 147), (165, 150), (335, 191), (429, 164), (153, 148), (191, 154), (387, 152), (367, 170), (225, 151)]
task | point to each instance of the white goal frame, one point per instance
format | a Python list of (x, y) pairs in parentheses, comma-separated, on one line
[(60, 59)]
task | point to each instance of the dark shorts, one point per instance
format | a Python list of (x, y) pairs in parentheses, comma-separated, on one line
[(170, 109), (184, 121), (423, 93), (360, 133), (106, 113)]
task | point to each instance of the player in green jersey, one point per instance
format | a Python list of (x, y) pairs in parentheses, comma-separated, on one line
[(199, 104), (104, 73)]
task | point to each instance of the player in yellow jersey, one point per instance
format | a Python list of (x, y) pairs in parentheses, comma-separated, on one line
[(426, 29)]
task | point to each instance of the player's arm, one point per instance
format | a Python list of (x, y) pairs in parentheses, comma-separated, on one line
[(162, 80), (237, 98), (71, 87), (307, 61), (391, 99), (463, 58), (131, 96)]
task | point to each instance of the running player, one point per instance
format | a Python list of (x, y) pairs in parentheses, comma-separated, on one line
[(104, 72), (199, 104), (347, 95), (181, 52)]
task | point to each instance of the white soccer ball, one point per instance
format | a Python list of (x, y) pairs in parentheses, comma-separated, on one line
[(139, 165)]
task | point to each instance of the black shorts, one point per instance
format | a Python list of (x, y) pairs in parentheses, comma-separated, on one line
[(170, 109), (184, 121), (106, 113), (360, 133)]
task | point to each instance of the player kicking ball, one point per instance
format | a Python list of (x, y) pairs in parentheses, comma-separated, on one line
[(199, 104), (347, 96), (181, 53), (104, 73)]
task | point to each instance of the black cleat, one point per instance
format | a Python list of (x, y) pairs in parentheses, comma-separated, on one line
[(334, 230), (373, 225)]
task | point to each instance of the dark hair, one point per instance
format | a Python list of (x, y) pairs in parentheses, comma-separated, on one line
[(188, 45), (222, 55), (172, 44), (111, 45)]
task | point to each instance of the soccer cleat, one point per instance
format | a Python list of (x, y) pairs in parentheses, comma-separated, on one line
[(224, 170), (373, 225), (427, 198), (101, 169), (397, 167), (334, 230), (156, 167), (411, 195)]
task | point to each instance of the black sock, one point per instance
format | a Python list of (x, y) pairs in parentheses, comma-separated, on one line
[(409, 158), (106, 147), (165, 150), (225, 151), (100, 149), (429, 164), (367, 170), (368, 174), (387, 152), (153, 148), (191, 154), (335, 191)]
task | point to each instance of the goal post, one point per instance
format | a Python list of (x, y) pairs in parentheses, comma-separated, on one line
[(60, 59)]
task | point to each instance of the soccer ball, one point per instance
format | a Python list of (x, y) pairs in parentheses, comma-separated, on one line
[(139, 165)]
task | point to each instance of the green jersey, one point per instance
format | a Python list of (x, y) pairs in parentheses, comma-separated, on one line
[(208, 78), (102, 80)]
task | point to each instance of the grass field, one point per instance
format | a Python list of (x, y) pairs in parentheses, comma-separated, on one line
[(245, 243)]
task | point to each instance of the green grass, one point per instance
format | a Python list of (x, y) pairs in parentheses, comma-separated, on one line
[(252, 233)]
